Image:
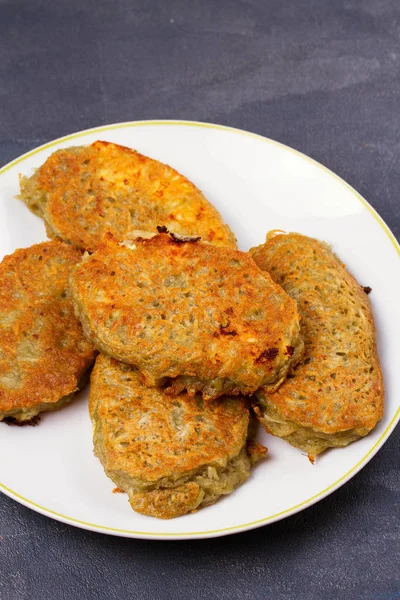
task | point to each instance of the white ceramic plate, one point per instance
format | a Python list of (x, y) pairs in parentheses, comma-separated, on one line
[(257, 184)]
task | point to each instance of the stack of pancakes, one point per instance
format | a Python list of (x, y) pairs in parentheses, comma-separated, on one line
[(194, 339)]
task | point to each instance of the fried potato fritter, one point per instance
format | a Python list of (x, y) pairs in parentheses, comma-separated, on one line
[(43, 352), (171, 455), (84, 192), (188, 315), (336, 393)]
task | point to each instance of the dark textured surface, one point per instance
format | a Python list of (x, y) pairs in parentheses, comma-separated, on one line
[(322, 76)]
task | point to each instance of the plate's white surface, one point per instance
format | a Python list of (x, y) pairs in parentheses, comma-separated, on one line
[(257, 185)]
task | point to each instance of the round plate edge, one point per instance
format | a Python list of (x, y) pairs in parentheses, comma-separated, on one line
[(272, 518)]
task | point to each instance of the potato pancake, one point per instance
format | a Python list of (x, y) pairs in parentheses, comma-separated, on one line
[(43, 353), (84, 192), (171, 455), (336, 392), (188, 315)]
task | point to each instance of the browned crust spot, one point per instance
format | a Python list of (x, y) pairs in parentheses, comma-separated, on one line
[(13, 421), (224, 329), (223, 332), (269, 354), (179, 239)]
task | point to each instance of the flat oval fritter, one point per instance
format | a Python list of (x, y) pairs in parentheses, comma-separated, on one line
[(43, 352), (84, 192), (336, 392), (206, 318), (171, 455)]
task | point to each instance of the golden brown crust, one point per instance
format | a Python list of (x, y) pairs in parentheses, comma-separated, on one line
[(140, 424), (86, 191), (43, 353), (336, 391), (170, 455), (206, 316)]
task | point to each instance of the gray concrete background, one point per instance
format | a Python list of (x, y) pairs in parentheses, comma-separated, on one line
[(322, 76)]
